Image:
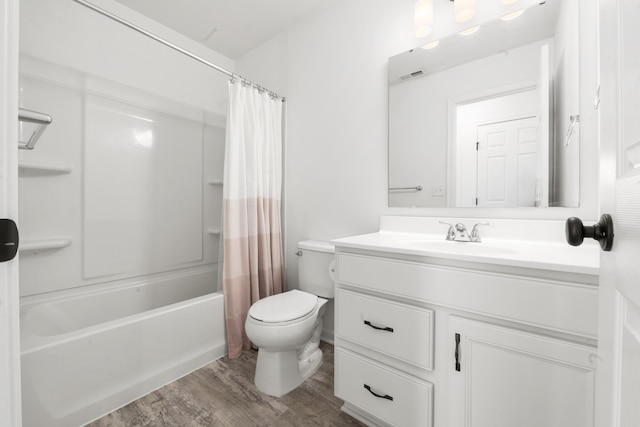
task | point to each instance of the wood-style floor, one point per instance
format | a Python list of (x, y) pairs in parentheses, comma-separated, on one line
[(222, 393)]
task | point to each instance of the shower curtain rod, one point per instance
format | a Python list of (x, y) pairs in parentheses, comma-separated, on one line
[(175, 47)]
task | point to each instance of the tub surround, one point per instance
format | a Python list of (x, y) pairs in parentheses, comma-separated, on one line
[(85, 225), (464, 327)]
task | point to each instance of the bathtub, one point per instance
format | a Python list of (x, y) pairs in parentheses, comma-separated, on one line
[(89, 352)]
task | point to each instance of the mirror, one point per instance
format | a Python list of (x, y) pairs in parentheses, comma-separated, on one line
[(490, 119)]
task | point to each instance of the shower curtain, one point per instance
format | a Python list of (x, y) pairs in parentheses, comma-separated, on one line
[(253, 265)]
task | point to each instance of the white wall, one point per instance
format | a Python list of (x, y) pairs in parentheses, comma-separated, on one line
[(334, 78)]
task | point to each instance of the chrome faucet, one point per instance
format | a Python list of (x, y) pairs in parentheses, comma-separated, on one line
[(459, 233)]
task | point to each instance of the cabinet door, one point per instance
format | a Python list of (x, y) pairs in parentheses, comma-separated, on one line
[(504, 377)]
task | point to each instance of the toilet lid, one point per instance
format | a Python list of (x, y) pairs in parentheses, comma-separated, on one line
[(283, 307)]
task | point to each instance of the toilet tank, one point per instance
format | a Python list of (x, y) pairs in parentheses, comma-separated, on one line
[(315, 262)]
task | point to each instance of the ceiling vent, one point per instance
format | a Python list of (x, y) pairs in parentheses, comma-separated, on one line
[(412, 75)]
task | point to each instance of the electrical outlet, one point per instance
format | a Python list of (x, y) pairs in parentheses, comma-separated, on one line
[(437, 190)]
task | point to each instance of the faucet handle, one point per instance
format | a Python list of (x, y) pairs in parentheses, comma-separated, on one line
[(475, 234), (461, 227), (451, 234)]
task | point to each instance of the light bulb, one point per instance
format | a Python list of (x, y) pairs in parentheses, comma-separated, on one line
[(423, 18), (512, 15), (431, 45), (469, 31), (464, 10)]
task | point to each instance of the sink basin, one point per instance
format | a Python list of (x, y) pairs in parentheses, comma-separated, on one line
[(452, 247)]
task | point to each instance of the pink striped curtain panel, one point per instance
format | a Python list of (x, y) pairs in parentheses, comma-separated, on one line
[(253, 265)]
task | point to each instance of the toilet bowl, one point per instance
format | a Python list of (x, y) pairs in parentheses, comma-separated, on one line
[(286, 327)]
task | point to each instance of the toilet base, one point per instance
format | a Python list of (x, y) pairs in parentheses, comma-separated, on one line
[(279, 372), (310, 365)]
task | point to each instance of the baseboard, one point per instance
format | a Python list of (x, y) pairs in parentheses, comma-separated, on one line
[(327, 336)]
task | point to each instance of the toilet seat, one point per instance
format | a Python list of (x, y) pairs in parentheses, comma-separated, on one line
[(284, 307)]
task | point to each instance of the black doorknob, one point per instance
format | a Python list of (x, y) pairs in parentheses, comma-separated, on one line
[(9, 239), (602, 231)]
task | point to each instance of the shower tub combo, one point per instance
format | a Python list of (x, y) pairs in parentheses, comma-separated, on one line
[(88, 352)]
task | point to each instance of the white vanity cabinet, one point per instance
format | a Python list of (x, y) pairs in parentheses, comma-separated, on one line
[(446, 341)]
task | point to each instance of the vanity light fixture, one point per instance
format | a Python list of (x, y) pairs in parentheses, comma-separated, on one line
[(464, 10), (423, 18), (469, 31), (512, 15), (431, 45)]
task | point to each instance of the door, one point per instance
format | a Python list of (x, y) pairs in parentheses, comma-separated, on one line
[(618, 375), (505, 377), (507, 163), (9, 302)]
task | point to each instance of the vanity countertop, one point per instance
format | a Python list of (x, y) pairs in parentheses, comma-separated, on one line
[(554, 256)]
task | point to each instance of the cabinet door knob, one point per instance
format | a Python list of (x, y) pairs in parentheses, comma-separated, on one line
[(602, 231)]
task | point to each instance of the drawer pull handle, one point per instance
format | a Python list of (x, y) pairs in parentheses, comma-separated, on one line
[(386, 396), (388, 329)]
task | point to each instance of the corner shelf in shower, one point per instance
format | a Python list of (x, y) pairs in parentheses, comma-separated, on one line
[(34, 245), (31, 168), (214, 230), (215, 181)]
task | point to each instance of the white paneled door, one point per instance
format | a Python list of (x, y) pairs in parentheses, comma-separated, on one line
[(508, 163), (618, 377)]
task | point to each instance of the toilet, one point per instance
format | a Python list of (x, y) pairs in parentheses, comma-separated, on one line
[(286, 327)]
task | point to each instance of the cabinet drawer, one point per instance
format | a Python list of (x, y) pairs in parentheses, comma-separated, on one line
[(395, 329), (401, 400), (557, 305)]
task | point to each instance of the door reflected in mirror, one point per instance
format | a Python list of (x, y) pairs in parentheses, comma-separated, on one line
[(489, 120)]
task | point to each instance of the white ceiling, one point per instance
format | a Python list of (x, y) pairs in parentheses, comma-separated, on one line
[(230, 27)]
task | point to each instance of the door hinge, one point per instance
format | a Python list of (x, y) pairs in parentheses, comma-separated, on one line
[(476, 201), (457, 352), (477, 145)]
